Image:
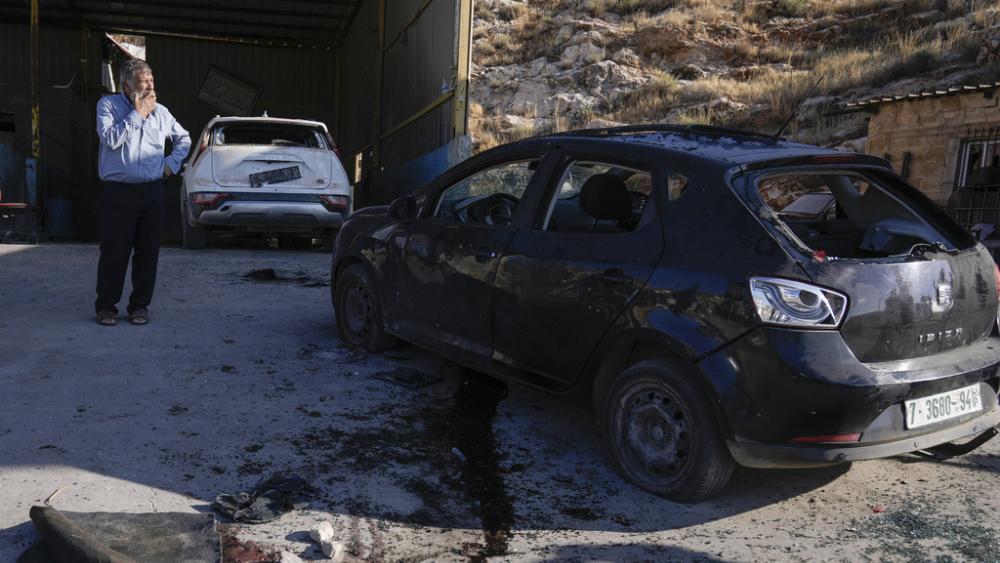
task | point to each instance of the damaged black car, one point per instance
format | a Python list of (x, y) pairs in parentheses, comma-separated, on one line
[(715, 297)]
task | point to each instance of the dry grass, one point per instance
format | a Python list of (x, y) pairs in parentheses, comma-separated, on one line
[(600, 8), (880, 43), (778, 93)]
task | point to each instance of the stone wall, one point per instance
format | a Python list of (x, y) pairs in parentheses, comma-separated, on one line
[(931, 130)]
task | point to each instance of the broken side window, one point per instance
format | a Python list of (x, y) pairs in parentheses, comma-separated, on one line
[(569, 212)]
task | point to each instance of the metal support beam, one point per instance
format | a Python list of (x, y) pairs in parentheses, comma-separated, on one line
[(420, 113), (463, 68), (379, 71), (36, 141)]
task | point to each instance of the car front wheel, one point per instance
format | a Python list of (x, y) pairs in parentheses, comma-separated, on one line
[(662, 435), (358, 311)]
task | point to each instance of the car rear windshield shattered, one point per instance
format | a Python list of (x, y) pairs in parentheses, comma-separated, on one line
[(848, 214), (266, 134)]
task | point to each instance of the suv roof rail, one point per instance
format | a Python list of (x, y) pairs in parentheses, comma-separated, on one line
[(687, 130)]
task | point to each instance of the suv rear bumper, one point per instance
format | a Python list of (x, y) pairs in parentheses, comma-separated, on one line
[(266, 215), (285, 213), (790, 457)]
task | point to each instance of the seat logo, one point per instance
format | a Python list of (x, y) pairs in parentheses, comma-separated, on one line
[(943, 297)]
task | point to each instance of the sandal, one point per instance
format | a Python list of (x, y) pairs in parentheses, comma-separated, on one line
[(138, 317), (106, 318)]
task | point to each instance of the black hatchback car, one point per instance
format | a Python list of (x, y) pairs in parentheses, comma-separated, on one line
[(651, 273)]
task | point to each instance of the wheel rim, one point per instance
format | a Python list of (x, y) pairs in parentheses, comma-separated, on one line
[(359, 311), (654, 434)]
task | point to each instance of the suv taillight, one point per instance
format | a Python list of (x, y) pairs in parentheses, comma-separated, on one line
[(335, 202), (996, 277), (207, 200)]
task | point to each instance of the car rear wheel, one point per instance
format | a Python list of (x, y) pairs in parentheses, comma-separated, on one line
[(662, 435), (192, 238), (358, 311)]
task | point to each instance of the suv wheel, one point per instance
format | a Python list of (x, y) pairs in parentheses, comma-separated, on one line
[(358, 311), (192, 238), (661, 433)]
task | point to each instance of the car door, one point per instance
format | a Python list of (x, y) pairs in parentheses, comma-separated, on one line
[(563, 281), (451, 253)]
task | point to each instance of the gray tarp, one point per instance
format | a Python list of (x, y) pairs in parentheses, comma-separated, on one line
[(114, 537)]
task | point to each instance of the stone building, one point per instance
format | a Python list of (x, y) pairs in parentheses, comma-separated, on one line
[(939, 140)]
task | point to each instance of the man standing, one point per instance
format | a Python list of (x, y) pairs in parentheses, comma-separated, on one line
[(132, 129)]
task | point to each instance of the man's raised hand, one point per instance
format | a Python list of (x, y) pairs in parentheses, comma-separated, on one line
[(144, 103)]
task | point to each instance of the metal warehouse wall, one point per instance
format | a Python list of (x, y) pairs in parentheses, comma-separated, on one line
[(398, 103), (291, 82), (64, 168)]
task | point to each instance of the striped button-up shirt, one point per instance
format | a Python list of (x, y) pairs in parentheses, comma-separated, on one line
[(132, 148)]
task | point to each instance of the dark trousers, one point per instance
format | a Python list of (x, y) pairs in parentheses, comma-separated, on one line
[(131, 219)]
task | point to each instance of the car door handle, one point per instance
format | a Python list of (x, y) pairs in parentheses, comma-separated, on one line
[(485, 254), (616, 275)]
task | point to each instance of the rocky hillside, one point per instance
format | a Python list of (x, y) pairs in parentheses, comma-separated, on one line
[(552, 65)]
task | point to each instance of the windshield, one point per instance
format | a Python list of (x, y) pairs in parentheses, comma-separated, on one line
[(283, 135)]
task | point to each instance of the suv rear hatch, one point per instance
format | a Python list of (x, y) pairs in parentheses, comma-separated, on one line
[(916, 283), (254, 155)]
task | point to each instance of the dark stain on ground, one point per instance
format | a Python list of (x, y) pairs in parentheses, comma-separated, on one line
[(471, 430), (251, 468), (391, 441), (580, 513), (271, 275), (236, 551)]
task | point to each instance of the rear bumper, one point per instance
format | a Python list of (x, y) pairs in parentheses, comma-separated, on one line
[(285, 216), (777, 390), (789, 457)]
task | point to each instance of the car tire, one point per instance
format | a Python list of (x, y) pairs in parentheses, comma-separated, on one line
[(192, 238), (359, 312), (662, 435)]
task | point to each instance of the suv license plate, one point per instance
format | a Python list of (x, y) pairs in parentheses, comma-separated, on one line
[(943, 406), (275, 176)]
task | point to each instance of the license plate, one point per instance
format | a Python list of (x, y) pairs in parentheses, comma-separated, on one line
[(275, 176), (943, 406)]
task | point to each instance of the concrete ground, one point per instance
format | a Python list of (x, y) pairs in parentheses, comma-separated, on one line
[(236, 379)]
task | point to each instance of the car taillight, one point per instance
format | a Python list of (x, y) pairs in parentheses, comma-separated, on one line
[(797, 304), (996, 277), (208, 200), (832, 439), (335, 202), (201, 148)]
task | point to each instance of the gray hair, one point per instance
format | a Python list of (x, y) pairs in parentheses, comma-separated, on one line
[(130, 69)]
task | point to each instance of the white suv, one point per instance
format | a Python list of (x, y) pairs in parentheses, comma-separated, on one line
[(264, 175)]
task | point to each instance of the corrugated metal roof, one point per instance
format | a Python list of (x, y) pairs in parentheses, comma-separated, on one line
[(936, 93), (287, 23)]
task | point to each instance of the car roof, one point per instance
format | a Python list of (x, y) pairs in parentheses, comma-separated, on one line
[(264, 119), (726, 146)]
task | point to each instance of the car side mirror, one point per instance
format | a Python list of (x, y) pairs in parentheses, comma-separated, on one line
[(403, 209)]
